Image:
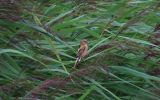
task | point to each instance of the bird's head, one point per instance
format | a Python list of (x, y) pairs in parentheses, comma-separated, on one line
[(83, 42)]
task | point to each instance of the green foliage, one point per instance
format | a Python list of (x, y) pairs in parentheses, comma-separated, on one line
[(39, 41)]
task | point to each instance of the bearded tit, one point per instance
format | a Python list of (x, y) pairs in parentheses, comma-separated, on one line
[(82, 51)]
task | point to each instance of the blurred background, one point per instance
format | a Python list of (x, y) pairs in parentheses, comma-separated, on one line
[(39, 40)]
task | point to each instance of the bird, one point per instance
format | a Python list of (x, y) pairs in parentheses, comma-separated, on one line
[(82, 51)]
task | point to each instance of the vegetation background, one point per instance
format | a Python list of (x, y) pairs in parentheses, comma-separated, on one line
[(39, 40)]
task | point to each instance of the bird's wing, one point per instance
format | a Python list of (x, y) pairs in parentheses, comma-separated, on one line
[(81, 51), (80, 54)]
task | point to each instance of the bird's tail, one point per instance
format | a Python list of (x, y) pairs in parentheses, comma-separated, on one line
[(77, 61)]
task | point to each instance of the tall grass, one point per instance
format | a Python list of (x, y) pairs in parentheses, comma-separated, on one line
[(39, 41)]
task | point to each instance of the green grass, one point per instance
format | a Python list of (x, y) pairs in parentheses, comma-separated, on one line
[(39, 41)]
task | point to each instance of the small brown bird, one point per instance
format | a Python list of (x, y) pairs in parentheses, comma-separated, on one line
[(82, 51)]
